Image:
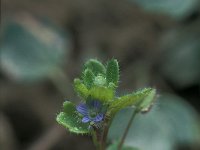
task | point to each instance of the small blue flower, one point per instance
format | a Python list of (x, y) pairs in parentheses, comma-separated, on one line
[(91, 111)]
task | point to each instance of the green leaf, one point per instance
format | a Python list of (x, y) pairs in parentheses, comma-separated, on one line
[(176, 8), (147, 102), (95, 66), (27, 54), (112, 72), (88, 78), (141, 99), (80, 88), (172, 121), (114, 146), (71, 120), (102, 93)]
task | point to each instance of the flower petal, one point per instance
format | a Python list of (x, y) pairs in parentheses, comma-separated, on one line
[(98, 118), (85, 119), (82, 108)]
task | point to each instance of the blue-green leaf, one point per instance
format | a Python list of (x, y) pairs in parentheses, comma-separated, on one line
[(114, 146), (176, 8), (172, 121), (31, 49), (181, 57)]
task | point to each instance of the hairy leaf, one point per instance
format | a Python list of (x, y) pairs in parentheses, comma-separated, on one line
[(71, 120), (95, 66), (112, 72), (100, 80), (80, 88), (88, 78), (102, 93), (147, 102), (141, 99)]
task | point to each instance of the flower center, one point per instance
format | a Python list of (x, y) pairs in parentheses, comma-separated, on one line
[(93, 114)]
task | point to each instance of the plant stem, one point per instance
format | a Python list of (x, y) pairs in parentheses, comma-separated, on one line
[(104, 138), (127, 129), (105, 133), (95, 140)]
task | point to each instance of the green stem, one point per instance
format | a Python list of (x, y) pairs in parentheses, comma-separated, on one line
[(126, 130)]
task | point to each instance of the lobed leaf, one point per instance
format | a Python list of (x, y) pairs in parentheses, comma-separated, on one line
[(95, 66), (112, 72), (141, 99), (71, 120)]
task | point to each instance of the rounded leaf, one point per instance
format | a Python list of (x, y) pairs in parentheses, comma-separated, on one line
[(31, 49), (71, 120), (95, 66)]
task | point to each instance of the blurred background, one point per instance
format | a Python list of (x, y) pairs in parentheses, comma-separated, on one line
[(45, 43)]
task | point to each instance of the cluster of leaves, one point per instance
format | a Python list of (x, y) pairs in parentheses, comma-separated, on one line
[(99, 82)]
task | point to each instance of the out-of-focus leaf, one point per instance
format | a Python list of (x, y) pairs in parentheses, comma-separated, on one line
[(114, 146), (70, 119), (171, 122), (176, 8), (181, 60), (31, 49)]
